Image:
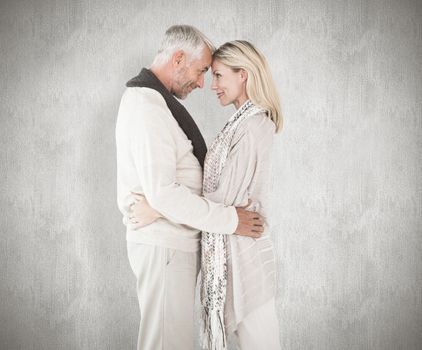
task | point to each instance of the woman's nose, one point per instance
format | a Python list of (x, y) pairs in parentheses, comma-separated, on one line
[(213, 84)]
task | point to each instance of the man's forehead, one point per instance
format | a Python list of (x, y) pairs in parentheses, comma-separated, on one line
[(204, 61), (203, 64), (207, 56)]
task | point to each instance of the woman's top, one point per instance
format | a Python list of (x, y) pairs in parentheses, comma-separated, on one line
[(245, 175)]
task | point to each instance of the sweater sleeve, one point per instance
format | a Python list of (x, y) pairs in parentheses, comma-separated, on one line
[(154, 156)]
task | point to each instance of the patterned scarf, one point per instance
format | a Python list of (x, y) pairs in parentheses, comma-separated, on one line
[(214, 250)]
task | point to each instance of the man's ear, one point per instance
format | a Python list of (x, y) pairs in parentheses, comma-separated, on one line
[(178, 57)]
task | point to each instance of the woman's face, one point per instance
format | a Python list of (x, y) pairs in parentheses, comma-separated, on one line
[(229, 86)]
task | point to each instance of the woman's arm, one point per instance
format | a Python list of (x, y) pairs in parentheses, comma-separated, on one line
[(141, 214)]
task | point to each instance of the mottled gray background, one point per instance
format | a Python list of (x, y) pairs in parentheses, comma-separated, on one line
[(346, 182)]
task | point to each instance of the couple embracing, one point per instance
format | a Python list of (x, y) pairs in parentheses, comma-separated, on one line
[(188, 209)]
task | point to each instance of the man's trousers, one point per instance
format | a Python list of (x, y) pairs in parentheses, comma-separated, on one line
[(165, 283)]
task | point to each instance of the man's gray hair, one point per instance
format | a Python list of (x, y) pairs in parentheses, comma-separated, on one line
[(182, 37)]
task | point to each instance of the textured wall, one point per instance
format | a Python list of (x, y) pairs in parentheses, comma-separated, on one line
[(347, 194)]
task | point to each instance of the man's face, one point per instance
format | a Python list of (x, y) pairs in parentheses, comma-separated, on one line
[(189, 74)]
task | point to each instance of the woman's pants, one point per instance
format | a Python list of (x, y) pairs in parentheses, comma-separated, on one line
[(260, 329)]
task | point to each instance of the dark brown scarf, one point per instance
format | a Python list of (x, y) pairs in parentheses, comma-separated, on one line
[(147, 79)]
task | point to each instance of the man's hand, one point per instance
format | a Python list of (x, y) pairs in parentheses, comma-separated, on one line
[(250, 224)]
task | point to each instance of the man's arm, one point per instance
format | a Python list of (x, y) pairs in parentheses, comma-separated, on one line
[(141, 214)]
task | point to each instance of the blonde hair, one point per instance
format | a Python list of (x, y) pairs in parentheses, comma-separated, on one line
[(260, 87), (182, 37)]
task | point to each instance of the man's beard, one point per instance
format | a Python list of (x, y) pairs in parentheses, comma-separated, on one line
[(181, 87)]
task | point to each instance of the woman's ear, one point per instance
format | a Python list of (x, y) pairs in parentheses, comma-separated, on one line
[(243, 75)]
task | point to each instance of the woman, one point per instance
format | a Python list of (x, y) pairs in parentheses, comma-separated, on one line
[(238, 273)]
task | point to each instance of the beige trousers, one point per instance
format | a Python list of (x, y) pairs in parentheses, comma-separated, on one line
[(260, 329), (165, 283)]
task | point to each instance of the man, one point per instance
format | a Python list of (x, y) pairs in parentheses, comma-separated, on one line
[(160, 154)]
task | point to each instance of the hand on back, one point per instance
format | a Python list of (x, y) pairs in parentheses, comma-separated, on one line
[(251, 224), (141, 214)]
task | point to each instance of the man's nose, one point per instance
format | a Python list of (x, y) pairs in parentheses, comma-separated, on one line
[(200, 82)]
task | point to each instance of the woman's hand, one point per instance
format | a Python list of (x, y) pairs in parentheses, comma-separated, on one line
[(140, 212)]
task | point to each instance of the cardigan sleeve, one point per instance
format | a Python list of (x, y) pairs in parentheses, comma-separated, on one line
[(154, 156)]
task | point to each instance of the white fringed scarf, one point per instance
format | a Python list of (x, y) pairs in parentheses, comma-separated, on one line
[(214, 251)]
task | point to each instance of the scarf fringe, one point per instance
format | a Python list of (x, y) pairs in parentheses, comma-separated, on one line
[(213, 335)]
